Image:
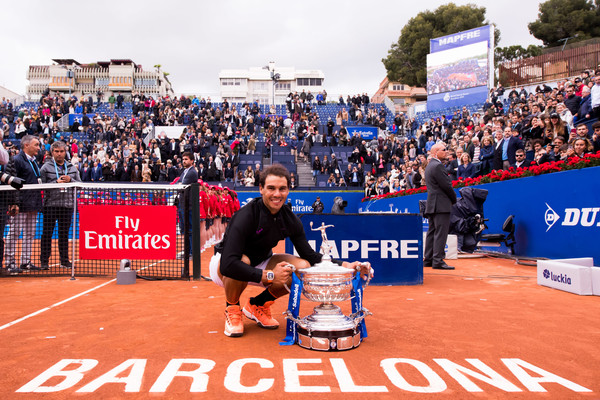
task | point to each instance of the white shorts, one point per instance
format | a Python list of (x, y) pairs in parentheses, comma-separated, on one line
[(214, 267)]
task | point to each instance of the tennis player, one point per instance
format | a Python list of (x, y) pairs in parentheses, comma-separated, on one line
[(245, 255)]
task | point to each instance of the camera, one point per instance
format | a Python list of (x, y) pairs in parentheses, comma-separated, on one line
[(13, 181)]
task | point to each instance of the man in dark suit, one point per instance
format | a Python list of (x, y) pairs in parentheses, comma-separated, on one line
[(497, 159), (97, 172), (522, 162), (30, 203), (170, 171), (510, 144), (440, 198), (451, 166), (188, 176)]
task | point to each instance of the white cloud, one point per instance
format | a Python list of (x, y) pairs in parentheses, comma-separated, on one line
[(195, 40)]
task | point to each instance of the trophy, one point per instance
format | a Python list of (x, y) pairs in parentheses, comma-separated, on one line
[(327, 328)]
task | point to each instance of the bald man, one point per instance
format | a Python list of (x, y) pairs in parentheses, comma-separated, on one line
[(440, 198)]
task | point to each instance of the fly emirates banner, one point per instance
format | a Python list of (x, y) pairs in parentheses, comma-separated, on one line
[(136, 233)]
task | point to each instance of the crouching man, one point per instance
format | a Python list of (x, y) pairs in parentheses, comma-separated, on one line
[(245, 255)]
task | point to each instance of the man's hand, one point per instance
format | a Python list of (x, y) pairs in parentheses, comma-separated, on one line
[(64, 179), (364, 268), (13, 210), (282, 272)]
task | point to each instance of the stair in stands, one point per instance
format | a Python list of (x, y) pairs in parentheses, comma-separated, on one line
[(305, 177)]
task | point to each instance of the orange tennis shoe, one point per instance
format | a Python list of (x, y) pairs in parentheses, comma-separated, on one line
[(234, 327), (261, 314)]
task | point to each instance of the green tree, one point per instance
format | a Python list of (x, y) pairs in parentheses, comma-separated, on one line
[(407, 59), (560, 19), (516, 52)]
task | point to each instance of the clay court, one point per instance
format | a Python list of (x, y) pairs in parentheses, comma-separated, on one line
[(488, 317)]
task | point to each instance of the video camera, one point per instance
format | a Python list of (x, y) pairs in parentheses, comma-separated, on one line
[(13, 181)]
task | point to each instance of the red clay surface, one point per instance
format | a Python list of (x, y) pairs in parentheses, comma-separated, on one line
[(487, 309)]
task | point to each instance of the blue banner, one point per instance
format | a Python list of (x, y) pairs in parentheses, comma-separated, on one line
[(366, 132), (302, 201), (78, 118), (459, 39), (550, 221), (457, 98), (392, 243)]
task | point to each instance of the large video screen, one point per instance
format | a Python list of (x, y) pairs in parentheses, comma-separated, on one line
[(458, 68)]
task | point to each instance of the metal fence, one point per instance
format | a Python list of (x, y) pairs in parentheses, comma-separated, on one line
[(95, 226), (552, 66)]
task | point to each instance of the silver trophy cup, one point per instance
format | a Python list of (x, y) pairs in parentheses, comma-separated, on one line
[(327, 328)]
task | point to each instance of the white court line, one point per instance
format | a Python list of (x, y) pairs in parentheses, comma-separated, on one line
[(53, 305), (67, 300)]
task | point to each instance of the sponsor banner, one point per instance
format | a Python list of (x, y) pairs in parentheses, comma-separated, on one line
[(117, 232), (301, 202), (551, 222), (78, 117), (392, 243), (562, 275), (366, 132), (171, 132), (457, 98), (481, 34)]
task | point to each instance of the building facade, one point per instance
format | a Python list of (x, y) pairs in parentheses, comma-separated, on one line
[(111, 77), (402, 96), (269, 84)]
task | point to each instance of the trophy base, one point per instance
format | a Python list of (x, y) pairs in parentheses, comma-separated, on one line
[(327, 329)]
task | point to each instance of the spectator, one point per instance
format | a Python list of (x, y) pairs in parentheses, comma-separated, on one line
[(318, 206), (581, 147), (111, 102), (30, 203), (466, 169), (522, 162), (58, 204), (249, 177), (316, 166)]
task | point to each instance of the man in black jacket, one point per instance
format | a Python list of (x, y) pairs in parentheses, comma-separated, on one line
[(245, 255), (8, 206), (440, 198), (30, 203)]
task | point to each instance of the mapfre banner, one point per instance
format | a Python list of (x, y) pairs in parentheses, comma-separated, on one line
[(136, 233)]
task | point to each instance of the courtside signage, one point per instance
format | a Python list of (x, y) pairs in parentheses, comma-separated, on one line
[(392, 243), (300, 375), (136, 233), (565, 275)]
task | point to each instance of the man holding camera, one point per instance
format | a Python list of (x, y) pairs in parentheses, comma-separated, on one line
[(58, 204), (8, 205), (30, 203)]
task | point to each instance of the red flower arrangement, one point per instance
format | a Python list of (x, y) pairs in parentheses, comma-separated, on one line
[(589, 160)]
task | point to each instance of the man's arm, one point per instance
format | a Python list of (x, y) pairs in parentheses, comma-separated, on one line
[(232, 265), (444, 182)]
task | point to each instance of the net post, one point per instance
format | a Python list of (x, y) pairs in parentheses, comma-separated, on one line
[(74, 230), (195, 211)]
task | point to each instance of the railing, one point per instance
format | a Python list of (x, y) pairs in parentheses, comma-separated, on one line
[(550, 66)]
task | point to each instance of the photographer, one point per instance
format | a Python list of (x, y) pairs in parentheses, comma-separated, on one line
[(8, 206), (30, 202), (318, 206), (58, 204)]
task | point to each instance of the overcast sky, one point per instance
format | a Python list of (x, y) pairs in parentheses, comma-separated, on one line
[(194, 40)]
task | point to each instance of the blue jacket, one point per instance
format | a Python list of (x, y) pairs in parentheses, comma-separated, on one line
[(97, 173), (466, 171)]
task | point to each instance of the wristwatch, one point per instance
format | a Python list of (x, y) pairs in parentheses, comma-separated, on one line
[(270, 276)]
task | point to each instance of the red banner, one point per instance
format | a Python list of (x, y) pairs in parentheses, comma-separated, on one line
[(135, 233)]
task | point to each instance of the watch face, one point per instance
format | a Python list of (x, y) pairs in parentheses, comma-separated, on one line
[(270, 275)]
